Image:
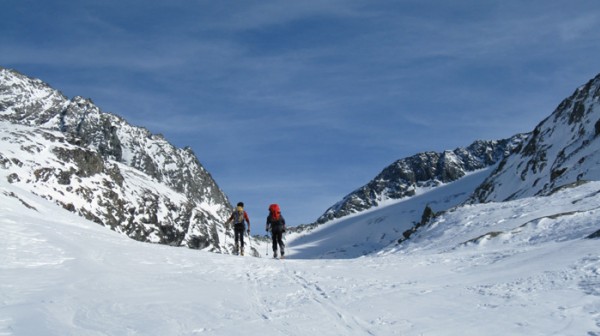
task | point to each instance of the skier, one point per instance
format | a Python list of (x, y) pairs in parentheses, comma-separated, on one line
[(276, 224), (239, 217)]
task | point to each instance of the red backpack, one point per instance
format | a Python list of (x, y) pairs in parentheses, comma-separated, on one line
[(274, 211)]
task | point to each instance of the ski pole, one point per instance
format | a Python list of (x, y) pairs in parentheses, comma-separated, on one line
[(249, 243), (267, 245)]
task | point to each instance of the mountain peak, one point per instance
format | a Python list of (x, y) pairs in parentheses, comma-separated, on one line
[(561, 150), (133, 181), (424, 170)]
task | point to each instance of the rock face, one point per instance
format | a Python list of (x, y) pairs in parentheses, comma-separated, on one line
[(98, 165), (425, 170), (563, 149)]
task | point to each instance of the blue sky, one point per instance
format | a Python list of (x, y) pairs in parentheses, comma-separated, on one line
[(301, 102)]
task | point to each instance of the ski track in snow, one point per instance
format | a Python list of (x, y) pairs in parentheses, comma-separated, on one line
[(344, 320), (270, 305)]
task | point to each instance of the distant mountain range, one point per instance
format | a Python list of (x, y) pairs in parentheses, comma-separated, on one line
[(562, 150), (410, 201), (426, 170), (123, 177)]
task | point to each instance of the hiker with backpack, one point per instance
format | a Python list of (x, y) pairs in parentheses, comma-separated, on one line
[(239, 217), (276, 224)]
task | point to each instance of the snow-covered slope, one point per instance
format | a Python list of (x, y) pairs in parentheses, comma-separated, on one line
[(527, 266), (562, 149), (373, 230), (63, 275), (99, 166), (403, 178)]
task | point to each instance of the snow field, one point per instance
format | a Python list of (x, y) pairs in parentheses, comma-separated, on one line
[(63, 275)]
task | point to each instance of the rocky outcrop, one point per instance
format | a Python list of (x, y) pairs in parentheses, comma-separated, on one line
[(425, 170), (98, 165), (563, 149)]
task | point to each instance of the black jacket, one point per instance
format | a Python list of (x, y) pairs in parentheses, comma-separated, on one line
[(276, 225)]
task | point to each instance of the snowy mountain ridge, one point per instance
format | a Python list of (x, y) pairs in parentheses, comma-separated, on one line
[(123, 177), (564, 148), (524, 263), (69, 150), (562, 151), (404, 177)]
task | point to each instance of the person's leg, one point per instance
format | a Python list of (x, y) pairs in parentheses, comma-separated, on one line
[(237, 239), (242, 240), (242, 237), (281, 244), (274, 238)]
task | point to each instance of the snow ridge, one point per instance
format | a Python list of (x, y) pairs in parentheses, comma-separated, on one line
[(405, 177), (564, 148), (563, 151)]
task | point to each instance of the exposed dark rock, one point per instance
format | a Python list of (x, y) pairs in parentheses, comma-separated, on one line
[(555, 154), (427, 217), (98, 156), (594, 235), (429, 169)]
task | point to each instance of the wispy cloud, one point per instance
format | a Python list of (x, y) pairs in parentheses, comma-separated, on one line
[(329, 86)]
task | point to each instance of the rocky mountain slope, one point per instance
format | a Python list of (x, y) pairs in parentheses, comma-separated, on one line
[(96, 164), (426, 170), (563, 149), (123, 177), (414, 197)]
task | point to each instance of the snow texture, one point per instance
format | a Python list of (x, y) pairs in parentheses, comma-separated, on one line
[(516, 268), (524, 263)]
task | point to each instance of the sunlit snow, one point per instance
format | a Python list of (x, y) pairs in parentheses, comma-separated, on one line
[(63, 275)]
